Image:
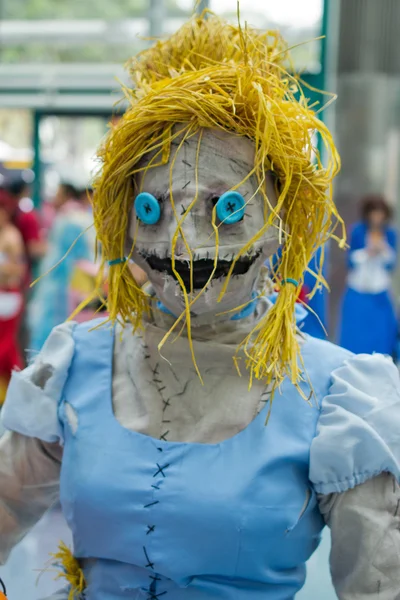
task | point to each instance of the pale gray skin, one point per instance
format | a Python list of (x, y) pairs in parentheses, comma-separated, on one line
[(224, 161)]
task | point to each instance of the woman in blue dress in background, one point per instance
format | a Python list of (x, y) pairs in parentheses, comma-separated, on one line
[(368, 314)]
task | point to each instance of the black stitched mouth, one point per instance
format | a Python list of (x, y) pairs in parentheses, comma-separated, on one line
[(202, 268)]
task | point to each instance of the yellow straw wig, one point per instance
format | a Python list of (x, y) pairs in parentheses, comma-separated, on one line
[(211, 74)]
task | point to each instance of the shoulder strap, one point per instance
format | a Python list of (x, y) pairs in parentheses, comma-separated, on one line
[(88, 386)]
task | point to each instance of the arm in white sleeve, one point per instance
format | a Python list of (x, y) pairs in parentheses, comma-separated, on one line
[(29, 485), (365, 531), (30, 452)]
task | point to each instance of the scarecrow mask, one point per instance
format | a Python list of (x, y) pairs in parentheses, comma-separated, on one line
[(205, 199)]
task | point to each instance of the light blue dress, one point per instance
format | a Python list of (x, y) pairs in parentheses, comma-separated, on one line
[(236, 520)]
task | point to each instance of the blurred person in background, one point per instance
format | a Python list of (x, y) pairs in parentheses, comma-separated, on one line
[(84, 280), (26, 219), (368, 322), (67, 196), (12, 271), (71, 239)]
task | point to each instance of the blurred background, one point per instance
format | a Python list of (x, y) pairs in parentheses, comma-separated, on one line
[(61, 67)]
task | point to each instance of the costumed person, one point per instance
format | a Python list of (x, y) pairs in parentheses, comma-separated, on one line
[(154, 423), (369, 322), (71, 239), (12, 271)]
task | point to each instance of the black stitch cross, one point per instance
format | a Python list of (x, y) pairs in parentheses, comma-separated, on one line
[(151, 503), (150, 529), (155, 577), (186, 184), (163, 437), (185, 162), (150, 565), (160, 470), (166, 402), (153, 596), (161, 389), (156, 487), (155, 370), (157, 380), (183, 208)]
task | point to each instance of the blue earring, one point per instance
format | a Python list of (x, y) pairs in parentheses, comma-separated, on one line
[(230, 207), (147, 208)]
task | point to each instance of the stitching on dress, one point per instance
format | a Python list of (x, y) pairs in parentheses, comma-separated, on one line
[(151, 503), (161, 470), (150, 564), (152, 591), (153, 596), (150, 529)]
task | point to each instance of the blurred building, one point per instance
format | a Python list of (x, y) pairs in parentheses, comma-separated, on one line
[(364, 66)]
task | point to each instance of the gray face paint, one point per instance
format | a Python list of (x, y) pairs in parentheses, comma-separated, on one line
[(224, 161)]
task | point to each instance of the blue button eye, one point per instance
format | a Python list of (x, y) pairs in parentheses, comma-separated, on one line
[(147, 208), (230, 207)]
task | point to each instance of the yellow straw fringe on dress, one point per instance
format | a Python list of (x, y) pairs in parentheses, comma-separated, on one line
[(211, 74), (71, 572)]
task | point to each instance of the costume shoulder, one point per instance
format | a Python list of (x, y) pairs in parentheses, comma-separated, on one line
[(34, 394), (357, 435)]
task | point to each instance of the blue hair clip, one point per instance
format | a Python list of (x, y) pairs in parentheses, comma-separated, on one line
[(290, 280), (116, 261)]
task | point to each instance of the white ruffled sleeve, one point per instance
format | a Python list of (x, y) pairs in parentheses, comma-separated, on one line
[(34, 394), (358, 433)]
